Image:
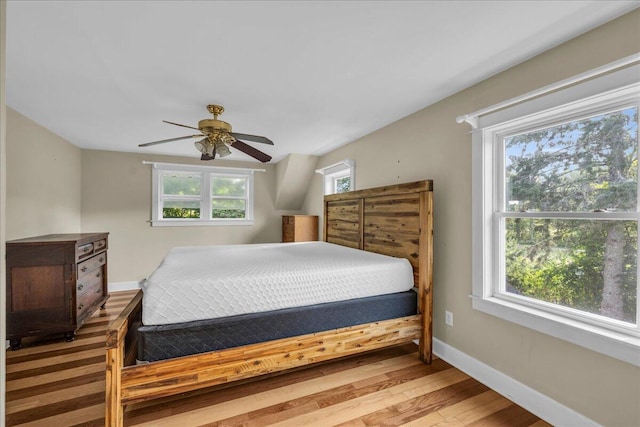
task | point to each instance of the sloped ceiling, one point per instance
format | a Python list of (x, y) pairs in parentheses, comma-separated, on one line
[(293, 175)]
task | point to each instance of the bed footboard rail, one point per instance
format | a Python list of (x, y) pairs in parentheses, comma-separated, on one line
[(179, 375), (121, 346)]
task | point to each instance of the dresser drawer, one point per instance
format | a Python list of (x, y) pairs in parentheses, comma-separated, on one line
[(85, 250), (98, 245), (90, 281), (86, 267), (90, 294)]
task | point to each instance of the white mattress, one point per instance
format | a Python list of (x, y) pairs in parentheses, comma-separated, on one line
[(206, 282)]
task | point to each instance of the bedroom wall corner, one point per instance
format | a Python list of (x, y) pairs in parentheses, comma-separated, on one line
[(293, 174), (43, 180), (116, 198)]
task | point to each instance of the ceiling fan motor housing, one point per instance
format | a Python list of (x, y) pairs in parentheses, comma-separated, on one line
[(208, 126)]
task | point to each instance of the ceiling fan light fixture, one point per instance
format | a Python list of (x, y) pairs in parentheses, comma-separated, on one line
[(222, 149), (201, 146)]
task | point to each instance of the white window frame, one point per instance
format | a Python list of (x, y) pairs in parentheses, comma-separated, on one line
[(205, 197), (332, 173), (615, 339)]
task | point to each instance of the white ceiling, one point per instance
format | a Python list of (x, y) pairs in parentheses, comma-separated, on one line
[(310, 75)]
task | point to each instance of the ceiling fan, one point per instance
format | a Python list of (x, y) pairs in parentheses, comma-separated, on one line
[(217, 138)]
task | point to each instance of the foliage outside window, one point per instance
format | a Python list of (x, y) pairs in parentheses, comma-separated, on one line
[(228, 197), (342, 184), (193, 195), (556, 214), (181, 194), (584, 167)]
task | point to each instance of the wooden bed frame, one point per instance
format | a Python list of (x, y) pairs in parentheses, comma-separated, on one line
[(394, 220)]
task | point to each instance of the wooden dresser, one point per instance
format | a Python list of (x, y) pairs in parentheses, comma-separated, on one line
[(54, 283), (299, 228)]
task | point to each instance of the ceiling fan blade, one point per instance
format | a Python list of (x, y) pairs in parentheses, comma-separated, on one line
[(254, 138), (178, 124), (247, 149), (162, 141)]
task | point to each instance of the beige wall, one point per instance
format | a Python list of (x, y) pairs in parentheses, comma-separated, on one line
[(116, 197), (43, 180), (430, 144)]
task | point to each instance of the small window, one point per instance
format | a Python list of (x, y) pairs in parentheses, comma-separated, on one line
[(195, 195), (339, 178)]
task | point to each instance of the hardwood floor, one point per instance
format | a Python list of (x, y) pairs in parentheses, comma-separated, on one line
[(56, 383)]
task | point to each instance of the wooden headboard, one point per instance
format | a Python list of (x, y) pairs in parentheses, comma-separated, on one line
[(395, 220)]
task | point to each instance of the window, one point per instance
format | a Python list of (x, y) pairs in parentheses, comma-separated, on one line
[(339, 178), (556, 214), (341, 183), (201, 195)]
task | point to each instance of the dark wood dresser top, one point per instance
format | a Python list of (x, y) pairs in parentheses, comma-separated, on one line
[(60, 238)]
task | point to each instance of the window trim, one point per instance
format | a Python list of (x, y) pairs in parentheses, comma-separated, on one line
[(611, 89), (336, 171), (205, 195)]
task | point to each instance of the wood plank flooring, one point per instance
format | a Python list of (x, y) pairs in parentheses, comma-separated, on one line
[(54, 383)]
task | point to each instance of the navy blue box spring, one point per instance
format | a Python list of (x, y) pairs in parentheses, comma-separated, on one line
[(183, 339)]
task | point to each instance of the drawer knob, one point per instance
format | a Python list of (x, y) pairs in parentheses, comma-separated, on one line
[(83, 269), (81, 306), (80, 287), (97, 274), (101, 259)]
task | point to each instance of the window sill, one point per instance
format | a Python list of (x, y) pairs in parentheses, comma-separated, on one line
[(198, 223), (613, 344)]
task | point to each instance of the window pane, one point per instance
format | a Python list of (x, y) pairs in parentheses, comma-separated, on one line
[(342, 184), (228, 208), (227, 186), (588, 265), (182, 184), (181, 209), (581, 166)]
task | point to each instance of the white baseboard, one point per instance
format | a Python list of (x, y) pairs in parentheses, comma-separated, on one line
[(530, 399), (123, 286)]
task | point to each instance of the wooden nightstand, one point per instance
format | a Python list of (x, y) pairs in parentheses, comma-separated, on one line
[(299, 228)]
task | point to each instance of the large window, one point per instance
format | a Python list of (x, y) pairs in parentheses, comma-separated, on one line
[(560, 185), (557, 211), (195, 195)]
